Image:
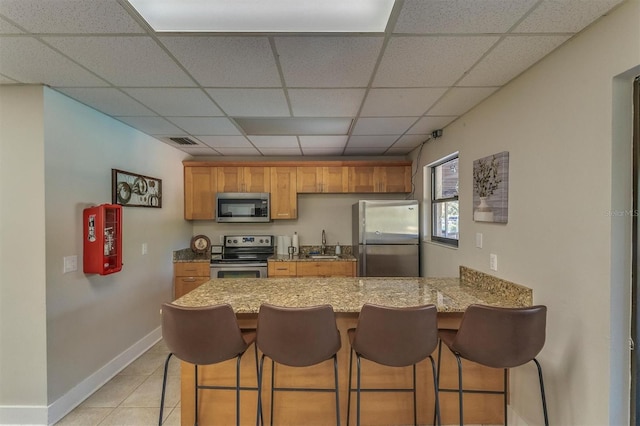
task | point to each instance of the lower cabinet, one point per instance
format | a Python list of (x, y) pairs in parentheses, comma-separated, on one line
[(188, 276), (334, 268)]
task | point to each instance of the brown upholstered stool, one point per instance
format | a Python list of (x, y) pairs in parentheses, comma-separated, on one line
[(297, 337), (203, 336), (498, 338), (395, 337)]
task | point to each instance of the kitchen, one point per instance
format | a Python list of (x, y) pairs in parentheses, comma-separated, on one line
[(572, 148)]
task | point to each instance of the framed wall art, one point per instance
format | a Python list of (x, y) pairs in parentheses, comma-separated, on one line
[(134, 190), (491, 188)]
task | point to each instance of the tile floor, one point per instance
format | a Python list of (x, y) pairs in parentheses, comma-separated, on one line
[(133, 396)]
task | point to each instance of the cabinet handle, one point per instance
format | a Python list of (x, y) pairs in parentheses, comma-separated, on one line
[(283, 214), (189, 280)]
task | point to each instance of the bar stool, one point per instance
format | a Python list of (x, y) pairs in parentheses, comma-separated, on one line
[(498, 338), (297, 337), (394, 337), (203, 336)]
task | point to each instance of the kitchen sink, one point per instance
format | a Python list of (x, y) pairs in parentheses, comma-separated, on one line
[(323, 256)]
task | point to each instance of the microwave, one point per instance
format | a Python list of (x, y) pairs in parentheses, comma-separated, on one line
[(243, 207)]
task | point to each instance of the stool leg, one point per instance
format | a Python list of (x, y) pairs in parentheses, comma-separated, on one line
[(238, 390), (260, 373), (164, 387), (195, 388), (415, 401), (273, 382), (358, 390), (335, 372), (255, 351), (544, 399), (460, 392), (504, 387), (436, 378), (436, 413), (350, 389)]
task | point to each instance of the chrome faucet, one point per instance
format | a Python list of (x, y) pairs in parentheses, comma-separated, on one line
[(323, 249)]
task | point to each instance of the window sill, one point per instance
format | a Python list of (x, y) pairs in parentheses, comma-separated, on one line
[(439, 244)]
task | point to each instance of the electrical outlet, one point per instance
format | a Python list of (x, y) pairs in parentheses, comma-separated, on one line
[(478, 240), (70, 264), (144, 248), (493, 262)]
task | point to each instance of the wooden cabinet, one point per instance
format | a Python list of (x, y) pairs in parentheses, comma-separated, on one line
[(244, 179), (331, 179), (188, 276), (333, 268), (281, 269), (380, 179), (199, 192), (284, 198)]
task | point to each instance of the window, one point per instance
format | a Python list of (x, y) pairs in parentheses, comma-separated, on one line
[(444, 201)]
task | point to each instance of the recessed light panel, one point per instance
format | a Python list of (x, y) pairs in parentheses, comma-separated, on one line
[(265, 15)]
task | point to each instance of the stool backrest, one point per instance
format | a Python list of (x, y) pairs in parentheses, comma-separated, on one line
[(298, 337), (202, 335), (501, 337), (396, 337)]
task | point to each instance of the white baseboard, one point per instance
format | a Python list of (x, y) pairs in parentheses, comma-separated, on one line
[(62, 406), (40, 415)]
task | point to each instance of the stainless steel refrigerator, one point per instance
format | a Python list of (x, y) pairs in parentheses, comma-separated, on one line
[(385, 238)]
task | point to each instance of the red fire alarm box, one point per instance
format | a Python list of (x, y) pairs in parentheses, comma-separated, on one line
[(102, 252)]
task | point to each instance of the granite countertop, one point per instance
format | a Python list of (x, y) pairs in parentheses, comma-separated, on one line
[(349, 294), (187, 255), (306, 258)]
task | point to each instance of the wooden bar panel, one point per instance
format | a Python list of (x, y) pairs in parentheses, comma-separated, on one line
[(298, 408)]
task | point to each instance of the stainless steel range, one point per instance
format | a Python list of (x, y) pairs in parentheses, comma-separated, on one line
[(243, 256)]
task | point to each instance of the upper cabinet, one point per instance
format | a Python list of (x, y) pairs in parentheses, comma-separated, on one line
[(380, 179), (284, 180), (244, 179), (284, 198), (199, 192), (331, 179)]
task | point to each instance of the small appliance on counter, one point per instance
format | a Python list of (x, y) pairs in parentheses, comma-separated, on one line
[(385, 238), (242, 256)]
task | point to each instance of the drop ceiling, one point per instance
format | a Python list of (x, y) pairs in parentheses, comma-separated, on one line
[(333, 94)]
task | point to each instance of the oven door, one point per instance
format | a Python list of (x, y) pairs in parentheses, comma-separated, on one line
[(238, 270)]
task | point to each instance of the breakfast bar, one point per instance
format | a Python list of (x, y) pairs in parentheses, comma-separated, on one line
[(347, 295)]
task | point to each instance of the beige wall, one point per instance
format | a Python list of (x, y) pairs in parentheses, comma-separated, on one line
[(570, 166), (23, 357), (63, 335)]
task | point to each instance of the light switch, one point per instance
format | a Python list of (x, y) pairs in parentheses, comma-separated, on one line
[(70, 264), (493, 262), (478, 240), (144, 248)]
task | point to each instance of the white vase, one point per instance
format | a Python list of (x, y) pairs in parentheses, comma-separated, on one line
[(483, 212)]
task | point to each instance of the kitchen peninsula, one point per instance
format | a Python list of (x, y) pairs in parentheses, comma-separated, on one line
[(347, 295)]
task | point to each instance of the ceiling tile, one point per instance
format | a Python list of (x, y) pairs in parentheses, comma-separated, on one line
[(251, 102), (321, 151), (176, 102), (7, 80), (7, 28), (429, 61), (70, 16), (152, 125), (460, 16), (248, 61), (383, 126), (371, 141), (398, 151), (364, 151), (27, 60), (399, 102), (238, 151), (225, 141), (274, 141), (325, 102), (281, 151), (205, 125), (322, 142), (295, 126), (123, 61), (410, 141), (511, 56), (107, 100), (328, 61), (564, 15), (461, 99), (199, 151), (428, 124)]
